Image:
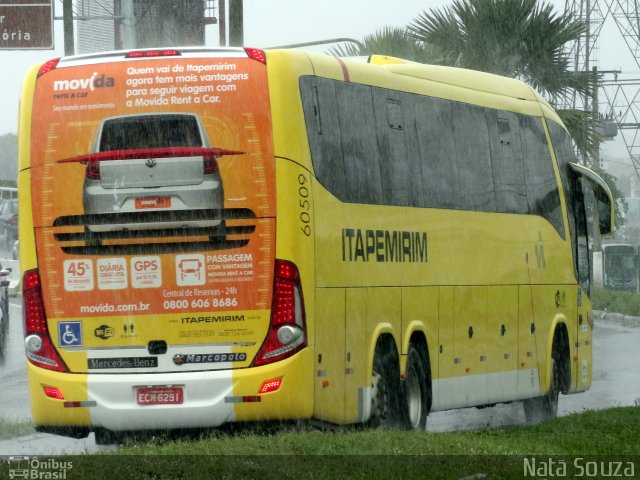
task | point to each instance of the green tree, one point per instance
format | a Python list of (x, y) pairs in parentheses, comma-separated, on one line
[(391, 41), (522, 39)]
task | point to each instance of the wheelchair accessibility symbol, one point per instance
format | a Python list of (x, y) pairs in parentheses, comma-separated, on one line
[(70, 334)]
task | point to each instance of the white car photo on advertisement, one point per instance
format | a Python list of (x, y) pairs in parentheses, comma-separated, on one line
[(148, 163)]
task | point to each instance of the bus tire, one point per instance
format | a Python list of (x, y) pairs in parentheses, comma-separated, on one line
[(386, 396), (416, 389), (544, 408)]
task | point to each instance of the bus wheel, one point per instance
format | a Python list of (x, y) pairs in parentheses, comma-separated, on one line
[(385, 389), (544, 408), (416, 390)]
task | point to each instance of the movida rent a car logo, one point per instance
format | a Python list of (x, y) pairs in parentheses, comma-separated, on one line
[(94, 81)]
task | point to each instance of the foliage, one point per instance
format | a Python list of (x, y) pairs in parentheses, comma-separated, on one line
[(304, 453), (590, 433), (582, 127), (391, 41), (615, 301), (9, 429), (515, 38), (522, 39)]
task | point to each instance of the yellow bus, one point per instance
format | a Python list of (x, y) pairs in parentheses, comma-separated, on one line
[(231, 235)]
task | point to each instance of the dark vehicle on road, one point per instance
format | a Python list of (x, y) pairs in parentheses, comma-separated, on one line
[(4, 308), (616, 267), (9, 221)]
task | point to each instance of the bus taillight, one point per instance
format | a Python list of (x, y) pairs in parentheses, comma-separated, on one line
[(39, 347), (287, 330), (48, 66), (256, 54)]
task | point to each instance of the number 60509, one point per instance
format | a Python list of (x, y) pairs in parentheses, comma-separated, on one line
[(305, 204)]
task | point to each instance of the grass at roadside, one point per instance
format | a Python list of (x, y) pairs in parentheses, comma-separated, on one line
[(599, 440), (10, 429), (614, 301), (610, 438), (603, 432)]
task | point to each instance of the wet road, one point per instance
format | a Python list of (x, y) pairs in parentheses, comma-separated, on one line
[(616, 382), (13, 394)]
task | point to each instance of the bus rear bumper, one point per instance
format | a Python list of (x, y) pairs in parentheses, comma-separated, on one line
[(210, 398)]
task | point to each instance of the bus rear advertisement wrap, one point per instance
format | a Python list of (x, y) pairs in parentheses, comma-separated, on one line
[(151, 180)]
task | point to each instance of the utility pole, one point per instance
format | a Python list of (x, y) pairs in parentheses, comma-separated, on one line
[(117, 24), (597, 238), (236, 23), (622, 95), (67, 22), (222, 22)]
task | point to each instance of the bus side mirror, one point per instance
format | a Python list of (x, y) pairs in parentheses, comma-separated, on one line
[(604, 216), (604, 199)]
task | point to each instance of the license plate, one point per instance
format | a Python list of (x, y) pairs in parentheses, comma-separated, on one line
[(159, 395), (153, 202)]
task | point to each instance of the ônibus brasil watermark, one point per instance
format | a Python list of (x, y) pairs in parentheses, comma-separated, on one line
[(36, 469)]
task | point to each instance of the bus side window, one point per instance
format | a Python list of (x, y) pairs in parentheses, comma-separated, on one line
[(575, 201), (507, 162), (540, 177), (324, 133)]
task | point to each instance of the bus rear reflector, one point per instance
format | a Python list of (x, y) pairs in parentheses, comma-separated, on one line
[(256, 54), (251, 399), (53, 392), (244, 399), (287, 330), (271, 385), (39, 347), (48, 66)]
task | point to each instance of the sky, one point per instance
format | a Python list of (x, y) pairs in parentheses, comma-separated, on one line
[(279, 22), (266, 23)]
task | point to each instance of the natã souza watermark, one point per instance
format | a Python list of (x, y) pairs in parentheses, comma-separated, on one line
[(36, 469), (578, 468)]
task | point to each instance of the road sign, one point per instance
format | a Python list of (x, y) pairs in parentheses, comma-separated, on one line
[(26, 24)]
